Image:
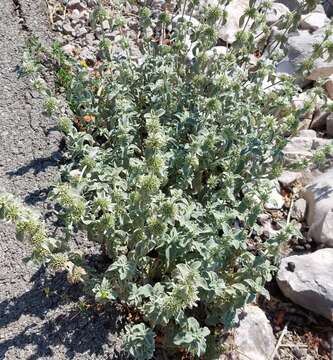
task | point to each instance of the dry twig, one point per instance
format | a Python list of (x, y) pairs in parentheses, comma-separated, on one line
[(278, 344)]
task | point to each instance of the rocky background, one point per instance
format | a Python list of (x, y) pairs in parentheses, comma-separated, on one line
[(297, 322)]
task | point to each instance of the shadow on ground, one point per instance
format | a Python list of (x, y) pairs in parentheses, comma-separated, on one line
[(38, 165), (60, 321)]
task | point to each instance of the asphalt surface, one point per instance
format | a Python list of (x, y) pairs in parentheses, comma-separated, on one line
[(39, 315)]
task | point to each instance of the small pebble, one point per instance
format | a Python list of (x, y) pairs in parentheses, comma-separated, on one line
[(67, 29), (299, 353), (81, 32)]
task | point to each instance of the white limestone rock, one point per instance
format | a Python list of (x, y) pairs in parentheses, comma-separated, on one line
[(314, 21), (235, 10), (288, 178), (319, 197), (307, 281), (300, 48), (253, 338), (299, 209), (276, 12)]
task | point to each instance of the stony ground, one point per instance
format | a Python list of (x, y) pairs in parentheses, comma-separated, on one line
[(39, 317)]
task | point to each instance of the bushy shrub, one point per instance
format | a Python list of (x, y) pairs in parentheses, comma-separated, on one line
[(169, 160)]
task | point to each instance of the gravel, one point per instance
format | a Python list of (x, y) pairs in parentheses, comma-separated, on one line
[(39, 315)]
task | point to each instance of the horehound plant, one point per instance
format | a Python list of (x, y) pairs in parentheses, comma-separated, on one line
[(168, 161)]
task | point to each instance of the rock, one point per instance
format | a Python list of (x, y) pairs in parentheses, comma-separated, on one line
[(81, 32), (288, 178), (235, 9), (329, 125), (87, 56), (254, 338), (318, 121), (319, 197), (215, 52), (276, 12), (304, 123), (298, 148), (69, 49), (300, 47), (329, 87), (268, 230), (90, 38), (58, 25), (85, 15), (106, 25), (75, 17), (308, 133), (298, 101), (313, 21), (275, 201), (291, 4), (307, 281), (320, 143), (76, 4), (299, 209), (67, 29), (300, 354), (92, 3), (328, 7), (75, 14), (319, 9), (286, 67), (303, 147), (188, 19)]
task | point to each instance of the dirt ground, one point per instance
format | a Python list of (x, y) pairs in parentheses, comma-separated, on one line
[(39, 316)]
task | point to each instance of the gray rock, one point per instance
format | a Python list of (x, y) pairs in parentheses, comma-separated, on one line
[(268, 230), (75, 14), (298, 148), (307, 281), (69, 49), (92, 3), (106, 25), (300, 48), (319, 9), (329, 125), (235, 9), (328, 7), (319, 197), (68, 29), (90, 38), (254, 338), (58, 25), (303, 147), (313, 21), (308, 133), (275, 200), (329, 87), (87, 56), (318, 121), (85, 15), (76, 4), (291, 4), (188, 19), (285, 66), (276, 12), (81, 32), (299, 209), (215, 52), (288, 178), (320, 143)]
